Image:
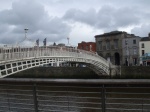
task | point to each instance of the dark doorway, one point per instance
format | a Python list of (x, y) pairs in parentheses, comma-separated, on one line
[(135, 61), (117, 59)]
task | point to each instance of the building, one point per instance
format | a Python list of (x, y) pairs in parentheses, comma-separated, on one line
[(110, 46), (144, 50), (130, 51), (88, 46)]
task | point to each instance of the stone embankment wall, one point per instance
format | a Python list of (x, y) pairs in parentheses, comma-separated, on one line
[(135, 72), (57, 72), (132, 72)]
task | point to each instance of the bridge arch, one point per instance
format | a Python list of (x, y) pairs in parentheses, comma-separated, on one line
[(13, 60)]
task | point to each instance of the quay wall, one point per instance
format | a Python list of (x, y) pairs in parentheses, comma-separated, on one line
[(131, 72), (135, 72), (57, 72)]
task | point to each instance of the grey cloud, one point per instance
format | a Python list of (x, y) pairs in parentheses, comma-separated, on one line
[(107, 17), (32, 15), (78, 15), (127, 16), (142, 30)]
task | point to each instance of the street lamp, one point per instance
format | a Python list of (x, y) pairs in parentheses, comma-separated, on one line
[(26, 29), (68, 40)]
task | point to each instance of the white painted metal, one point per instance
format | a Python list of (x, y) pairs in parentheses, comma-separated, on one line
[(16, 59)]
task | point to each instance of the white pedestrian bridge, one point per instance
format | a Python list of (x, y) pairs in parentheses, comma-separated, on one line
[(16, 59)]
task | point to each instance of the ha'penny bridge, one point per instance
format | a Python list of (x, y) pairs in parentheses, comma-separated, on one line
[(16, 59)]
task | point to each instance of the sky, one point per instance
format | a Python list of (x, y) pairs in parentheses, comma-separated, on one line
[(78, 20)]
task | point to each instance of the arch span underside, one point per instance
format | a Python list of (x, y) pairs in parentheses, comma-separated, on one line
[(13, 60)]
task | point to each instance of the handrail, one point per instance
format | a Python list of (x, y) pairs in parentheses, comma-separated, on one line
[(78, 81), (71, 95)]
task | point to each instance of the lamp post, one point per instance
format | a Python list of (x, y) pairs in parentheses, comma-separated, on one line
[(68, 40), (26, 30)]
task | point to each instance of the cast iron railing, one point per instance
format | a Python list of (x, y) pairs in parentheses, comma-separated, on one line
[(64, 95)]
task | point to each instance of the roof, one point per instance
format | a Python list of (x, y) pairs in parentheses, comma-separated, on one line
[(109, 33), (87, 42), (145, 39)]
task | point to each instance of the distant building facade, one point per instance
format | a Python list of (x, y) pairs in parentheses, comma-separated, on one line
[(88, 46), (111, 46), (130, 51), (144, 50)]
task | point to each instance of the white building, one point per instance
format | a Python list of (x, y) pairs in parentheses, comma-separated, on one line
[(144, 49)]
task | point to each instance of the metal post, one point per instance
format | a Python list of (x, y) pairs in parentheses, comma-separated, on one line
[(103, 99), (8, 100), (35, 98), (110, 70), (142, 104)]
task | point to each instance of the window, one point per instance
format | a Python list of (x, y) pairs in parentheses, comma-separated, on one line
[(116, 43), (127, 51), (142, 45), (100, 45), (135, 51), (126, 42), (143, 52), (107, 45), (134, 41)]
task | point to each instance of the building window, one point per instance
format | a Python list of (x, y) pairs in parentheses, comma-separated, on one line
[(126, 42), (142, 45), (143, 52), (100, 45), (135, 51), (107, 45), (134, 41), (116, 43)]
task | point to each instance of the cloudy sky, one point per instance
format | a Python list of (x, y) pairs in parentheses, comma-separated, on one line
[(80, 20)]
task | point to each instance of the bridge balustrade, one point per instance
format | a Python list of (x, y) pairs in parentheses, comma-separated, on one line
[(15, 53), (10, 55)]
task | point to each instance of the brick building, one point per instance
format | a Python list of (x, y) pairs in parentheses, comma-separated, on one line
[(88, 46)]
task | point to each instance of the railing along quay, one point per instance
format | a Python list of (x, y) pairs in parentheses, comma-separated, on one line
[(74, 95)]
